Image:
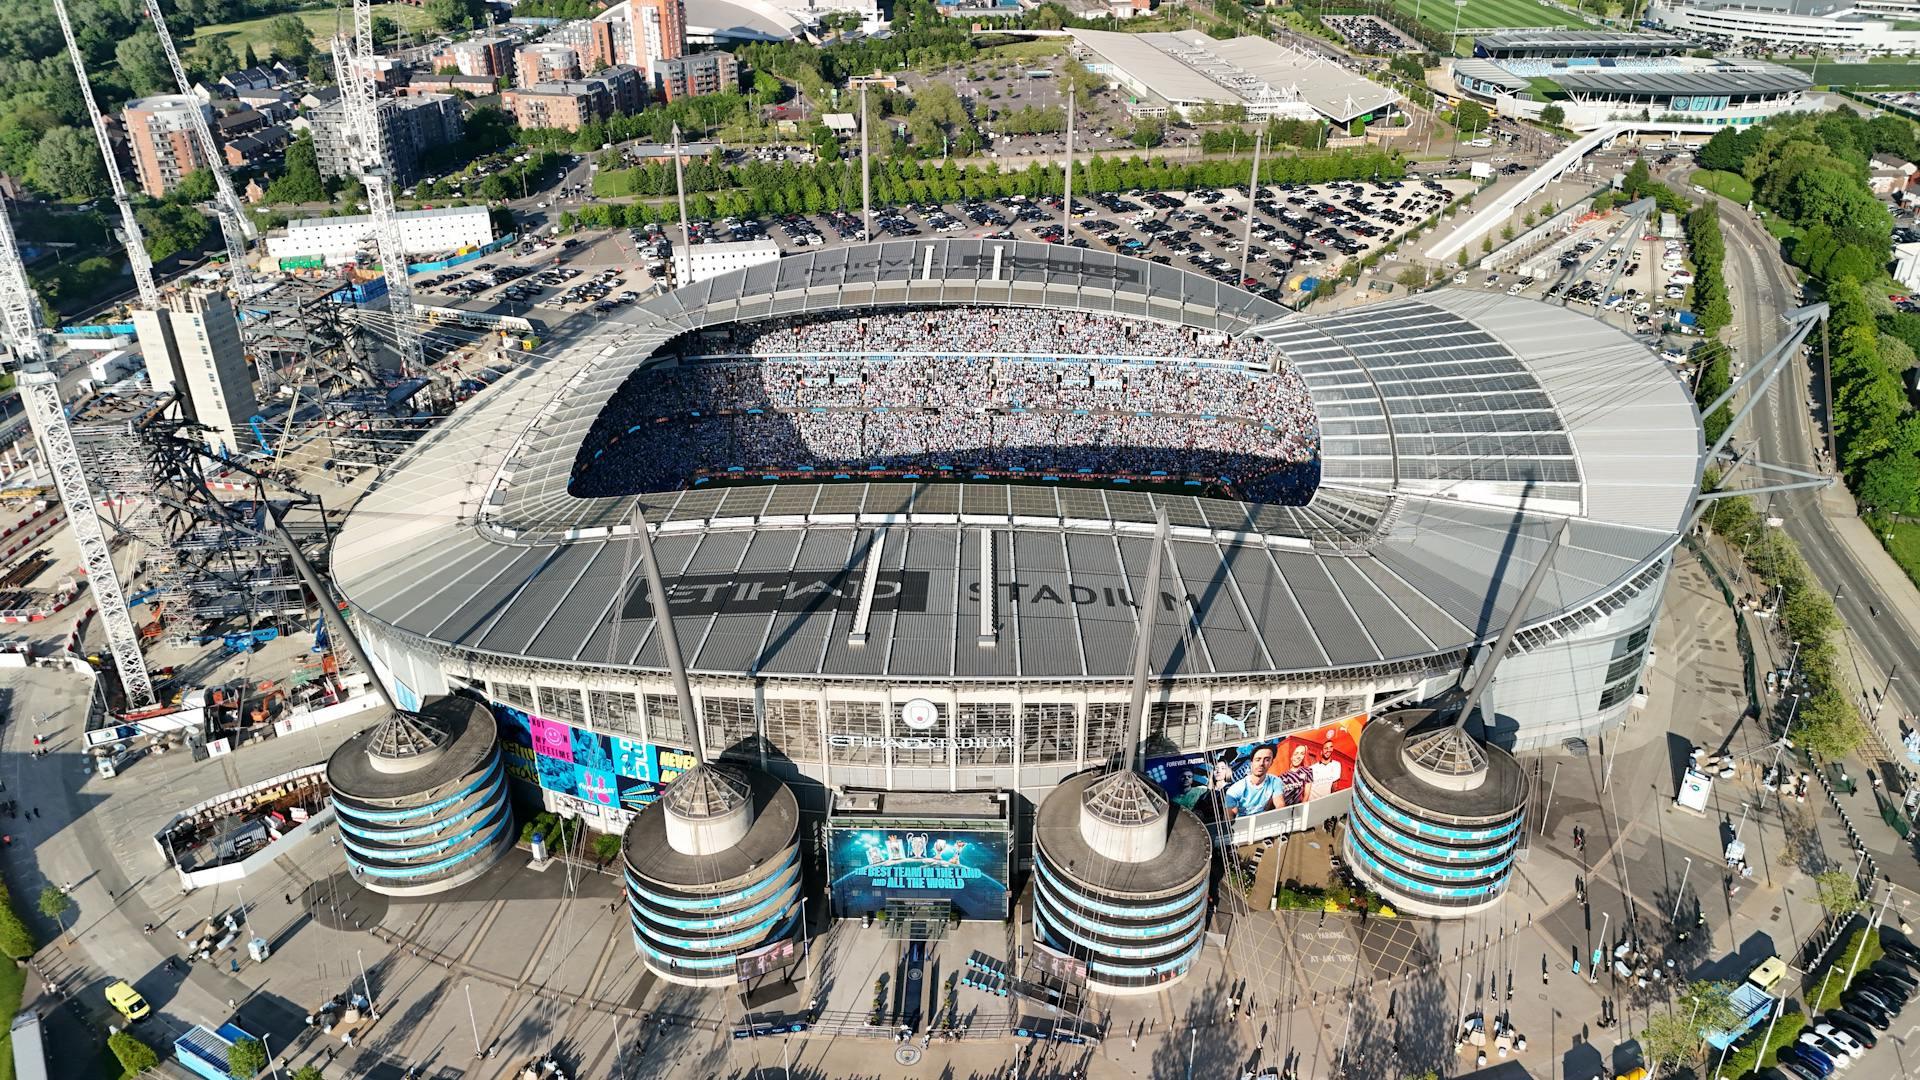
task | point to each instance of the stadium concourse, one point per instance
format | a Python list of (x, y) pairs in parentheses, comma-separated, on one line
[(1390, 475)]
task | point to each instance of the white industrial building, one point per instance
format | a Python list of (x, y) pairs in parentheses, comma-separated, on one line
[(1174, 72), (1862, 26), (422, 233), (702, 261)]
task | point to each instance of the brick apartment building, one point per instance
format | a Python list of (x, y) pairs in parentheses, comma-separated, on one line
[(545, 62), (160, 139), (573, 103), (692, 76)]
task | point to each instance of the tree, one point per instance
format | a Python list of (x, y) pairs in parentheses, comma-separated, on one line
[(54, 902), (301, 181), (1415, 277), (195, 187), (1673, 1038), (172, 228), (1839, 893), (1553, 114), (1470, 116), (213, 58), (308, 1072), (134, 1055), (766, 88), (252, 59), (385, 29), (67, 163), (144, 63), (291, 39), (1148, 132), (452, 14), (246, 1058)]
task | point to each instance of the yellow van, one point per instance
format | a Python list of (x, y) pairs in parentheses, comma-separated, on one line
[(124, 998)]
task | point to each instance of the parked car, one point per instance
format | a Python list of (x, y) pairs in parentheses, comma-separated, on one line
[(1801, 1054), (1839, 1023), (1835, 1052)]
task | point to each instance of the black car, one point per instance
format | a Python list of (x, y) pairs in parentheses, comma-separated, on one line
[(1862, 1033), (1895, 973), (1865, 987), (1907, 953), (1866, 1012), (1896, 994), (1794, 1068)]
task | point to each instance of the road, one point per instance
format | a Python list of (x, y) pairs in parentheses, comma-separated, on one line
[(1787, 428)]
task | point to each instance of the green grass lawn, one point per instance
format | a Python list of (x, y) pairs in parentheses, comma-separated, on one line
[(1725, 184), (1438, 14), (1905, 545), (1893, 76), (324, 25)]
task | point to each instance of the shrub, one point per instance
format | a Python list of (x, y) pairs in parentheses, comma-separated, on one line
[(16, 940), (135, 1056)]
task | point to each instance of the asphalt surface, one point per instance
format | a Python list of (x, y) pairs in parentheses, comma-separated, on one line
[(1788, 426)]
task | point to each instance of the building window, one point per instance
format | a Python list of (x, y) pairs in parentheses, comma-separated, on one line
[(1291, 714), (616, 712), (1106, 730), (1339, 708), (729, 722), (930, 744), (1049, 732), (1618, 692), (664, 723), (562, 704), (990, 724), (1177, 723), (857, 721), (1623, 667), (1232, 722), (793, 727), (515, 694)]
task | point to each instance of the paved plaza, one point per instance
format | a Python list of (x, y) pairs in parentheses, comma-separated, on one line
[(524, 962)]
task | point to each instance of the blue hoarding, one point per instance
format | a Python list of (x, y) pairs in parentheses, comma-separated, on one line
[(874, 862)]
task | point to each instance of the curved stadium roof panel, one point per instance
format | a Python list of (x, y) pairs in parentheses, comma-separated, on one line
[(1457, 427)]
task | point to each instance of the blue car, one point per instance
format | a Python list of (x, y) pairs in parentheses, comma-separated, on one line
[(1801, 1054)]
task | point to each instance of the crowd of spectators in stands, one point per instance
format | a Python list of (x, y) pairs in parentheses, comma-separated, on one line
[(959, 391)]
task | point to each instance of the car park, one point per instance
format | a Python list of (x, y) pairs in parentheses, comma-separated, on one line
[(1853, 1027)]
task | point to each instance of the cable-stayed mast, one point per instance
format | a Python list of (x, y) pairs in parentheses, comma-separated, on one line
[(129, 226), (47, 413), (353, 62)]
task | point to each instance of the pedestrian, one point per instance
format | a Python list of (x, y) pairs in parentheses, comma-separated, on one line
[(289, 899), (1133, 1043)]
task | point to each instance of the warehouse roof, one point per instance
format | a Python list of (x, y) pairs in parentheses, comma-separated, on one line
[(1189, 66)]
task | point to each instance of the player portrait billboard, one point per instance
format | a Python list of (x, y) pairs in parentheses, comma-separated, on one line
[(872, 863), (1261, 776)]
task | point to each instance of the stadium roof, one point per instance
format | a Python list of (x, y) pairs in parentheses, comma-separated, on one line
[(1189, 67), (1592, 40), (1457, 426), (1754, 77), (1489, 73)]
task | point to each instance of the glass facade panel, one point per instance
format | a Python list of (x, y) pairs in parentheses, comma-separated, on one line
[(1050, 733), (794, 728), (664, 723), (990, 725), (857, 720), (616, 712)]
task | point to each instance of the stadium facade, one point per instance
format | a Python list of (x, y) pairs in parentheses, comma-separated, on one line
[(924, 636), (1598, 77)]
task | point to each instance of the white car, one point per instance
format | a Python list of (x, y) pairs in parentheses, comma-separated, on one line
[(1830, 1047), (1684, 277), (1841, 1038)]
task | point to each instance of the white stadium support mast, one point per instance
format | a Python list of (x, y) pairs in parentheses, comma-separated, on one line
[(234, 225), (47, 413), (353, 64), (129, 226)]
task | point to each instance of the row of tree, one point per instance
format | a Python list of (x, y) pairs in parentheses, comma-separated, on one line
[(792, 188)]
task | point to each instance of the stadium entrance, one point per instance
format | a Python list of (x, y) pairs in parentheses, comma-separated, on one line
[(919, 860)]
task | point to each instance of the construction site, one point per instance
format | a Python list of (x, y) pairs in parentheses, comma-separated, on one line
[(152, 524)]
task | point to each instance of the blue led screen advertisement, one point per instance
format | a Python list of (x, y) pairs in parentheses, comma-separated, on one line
[(873, 863)]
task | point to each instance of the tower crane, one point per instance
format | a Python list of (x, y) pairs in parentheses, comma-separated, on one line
[(129, 226), (40, 389), (237, 230), (353, 61)]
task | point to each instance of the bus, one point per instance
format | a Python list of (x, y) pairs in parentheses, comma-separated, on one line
[(29, 1047)]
